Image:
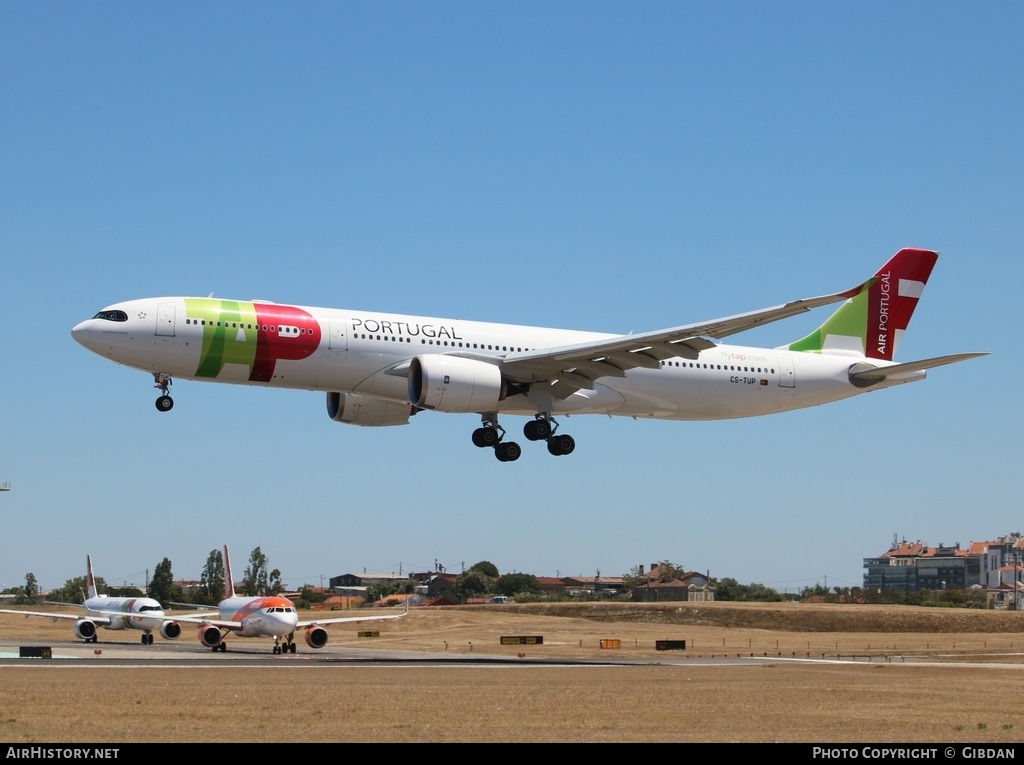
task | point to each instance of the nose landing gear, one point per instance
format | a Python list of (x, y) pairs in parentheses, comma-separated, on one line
[(163, 382)]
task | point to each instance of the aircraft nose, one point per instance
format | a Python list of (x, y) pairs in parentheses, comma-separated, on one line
[(78, 332)]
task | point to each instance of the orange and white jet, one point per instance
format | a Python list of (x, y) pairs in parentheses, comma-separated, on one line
[(111, 613), (265, 616)]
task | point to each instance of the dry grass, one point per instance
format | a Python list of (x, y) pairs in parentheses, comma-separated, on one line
[(310, 700)]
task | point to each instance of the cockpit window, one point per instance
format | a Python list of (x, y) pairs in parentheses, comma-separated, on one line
[(149, 608), (112, 315)]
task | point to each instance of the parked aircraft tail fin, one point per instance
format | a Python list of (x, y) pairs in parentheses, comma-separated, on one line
[(90, 580), (229, 582), (871, 324)]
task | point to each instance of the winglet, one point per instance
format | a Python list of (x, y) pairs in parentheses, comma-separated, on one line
[(872, 322)]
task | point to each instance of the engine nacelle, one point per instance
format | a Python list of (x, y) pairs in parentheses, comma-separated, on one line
[(209, 635), (170, 630), (85, 629), (454, 384), (353, 409), (316, 636)]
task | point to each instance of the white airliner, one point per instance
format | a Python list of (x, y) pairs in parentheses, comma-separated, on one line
[(379, 369), (110, 613), (265, 616)]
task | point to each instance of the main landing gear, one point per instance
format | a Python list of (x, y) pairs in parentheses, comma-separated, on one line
[(147, 638), (163, 382), (541, 428)]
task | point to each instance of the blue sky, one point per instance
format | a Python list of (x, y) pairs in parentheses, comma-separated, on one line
[(590, 165)]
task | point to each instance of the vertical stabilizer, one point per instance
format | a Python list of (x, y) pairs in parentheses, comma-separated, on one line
[(229, 582), (872, 323), (90, 580)]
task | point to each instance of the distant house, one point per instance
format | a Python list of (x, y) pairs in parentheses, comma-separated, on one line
[(691, 586), (341, 603), (440, 584), (593, 586), (551, 584), (363, 580)]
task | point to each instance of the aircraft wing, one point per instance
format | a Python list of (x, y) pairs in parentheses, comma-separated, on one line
[(197, 611), (213, 618), (341, 619), (55, 616), (572, 367)]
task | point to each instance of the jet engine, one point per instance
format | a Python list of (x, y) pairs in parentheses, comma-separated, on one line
[(170, 630), (316, 636), (85, 629), (353, 409), (455, 384), (209, 636)]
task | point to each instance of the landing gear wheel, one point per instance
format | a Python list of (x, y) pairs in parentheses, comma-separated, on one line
[(537, 430), (486, 436), (507, 451), (164, 403), (559, 445)]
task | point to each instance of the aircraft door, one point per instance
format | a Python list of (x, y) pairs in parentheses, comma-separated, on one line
[(338, 337), (787, 372), (165, 320)]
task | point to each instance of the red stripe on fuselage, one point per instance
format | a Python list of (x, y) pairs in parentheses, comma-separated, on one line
[(272, 345)]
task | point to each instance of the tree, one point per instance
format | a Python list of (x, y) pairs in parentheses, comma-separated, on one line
[(29, 596), (256, 581), (126, 592), (75, 590), (485, 567), (274, 586), (634, 579), (729, 589), (308, 595), (516, 584), (162, 586), (211, 581), (471, 584), (381, 590)]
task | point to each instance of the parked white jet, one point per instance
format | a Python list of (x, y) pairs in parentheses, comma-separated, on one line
[(110, 613), (265, 616), (379, 369)]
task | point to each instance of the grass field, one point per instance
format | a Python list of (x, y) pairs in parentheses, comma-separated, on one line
[(971, 694)]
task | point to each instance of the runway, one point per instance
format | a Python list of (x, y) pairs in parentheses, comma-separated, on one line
[(240, 654)]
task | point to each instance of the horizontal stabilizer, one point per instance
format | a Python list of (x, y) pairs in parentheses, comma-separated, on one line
[(864, 375)]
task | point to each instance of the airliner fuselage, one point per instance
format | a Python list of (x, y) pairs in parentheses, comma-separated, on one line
[(326, 350)]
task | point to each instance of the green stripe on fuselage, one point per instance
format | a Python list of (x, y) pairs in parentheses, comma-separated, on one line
[(229, 333)]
